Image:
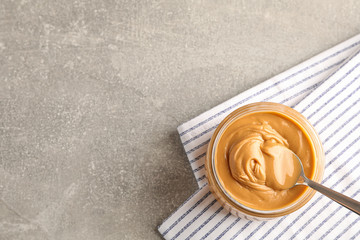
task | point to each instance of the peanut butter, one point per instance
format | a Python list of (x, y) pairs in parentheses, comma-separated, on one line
[(254, 162)]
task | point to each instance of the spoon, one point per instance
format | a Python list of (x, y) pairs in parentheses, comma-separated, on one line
[(300, 179)]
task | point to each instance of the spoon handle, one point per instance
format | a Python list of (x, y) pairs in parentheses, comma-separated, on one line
[(347, 202)]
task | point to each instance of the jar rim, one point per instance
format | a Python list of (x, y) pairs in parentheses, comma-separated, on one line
[(298, 119)]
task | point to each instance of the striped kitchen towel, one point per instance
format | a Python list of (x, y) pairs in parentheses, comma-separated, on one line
[(326, 90)]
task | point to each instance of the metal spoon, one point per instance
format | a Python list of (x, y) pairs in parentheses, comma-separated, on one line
[(345, 201)]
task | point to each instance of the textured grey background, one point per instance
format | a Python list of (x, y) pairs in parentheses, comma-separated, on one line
[(92, 91)]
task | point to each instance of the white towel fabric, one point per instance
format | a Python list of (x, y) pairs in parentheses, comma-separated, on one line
[(326, 90)]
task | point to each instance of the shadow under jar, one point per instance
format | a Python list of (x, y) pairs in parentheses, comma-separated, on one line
[(241, 160)]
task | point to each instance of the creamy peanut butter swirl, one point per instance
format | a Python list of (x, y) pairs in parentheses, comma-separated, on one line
[(254, 160), (259, 158)]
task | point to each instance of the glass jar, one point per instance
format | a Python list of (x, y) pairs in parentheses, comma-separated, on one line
[(232, 205)]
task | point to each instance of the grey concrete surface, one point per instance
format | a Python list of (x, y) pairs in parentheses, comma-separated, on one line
[(92, 91)]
